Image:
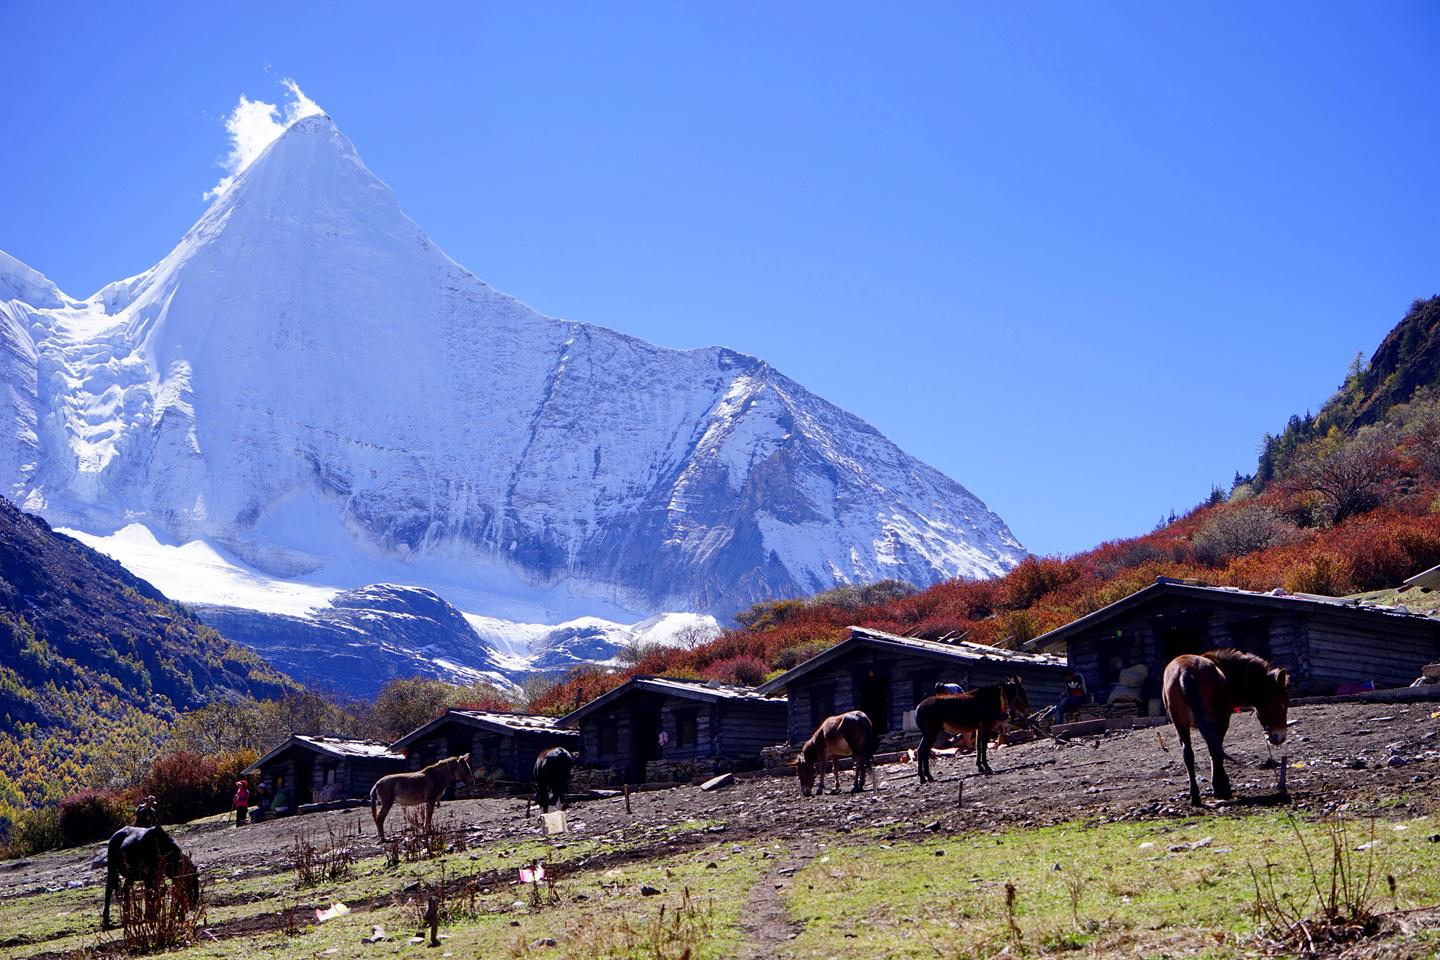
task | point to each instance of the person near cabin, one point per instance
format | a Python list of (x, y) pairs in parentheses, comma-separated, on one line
[(242, 801), (147, 814), (1075, 694), (282, 803), (262, 799), (946, 689)]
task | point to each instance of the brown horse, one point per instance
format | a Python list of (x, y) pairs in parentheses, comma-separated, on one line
[(425, 786), (843, 735), (980, 710), (1202, 691), (150, 855)]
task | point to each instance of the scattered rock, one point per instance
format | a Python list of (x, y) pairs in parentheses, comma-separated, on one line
[(648, 891), (543, 942), (716, 783), (933, 826)]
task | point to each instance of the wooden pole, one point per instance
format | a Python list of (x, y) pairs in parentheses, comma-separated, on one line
[(627, 798)]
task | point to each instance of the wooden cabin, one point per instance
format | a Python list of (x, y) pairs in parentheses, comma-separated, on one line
[(1328, 644), (503, 745), (308, 765), (887, 676), (659, 729)]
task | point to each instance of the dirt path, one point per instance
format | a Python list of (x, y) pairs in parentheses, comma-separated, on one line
[(765, 920)]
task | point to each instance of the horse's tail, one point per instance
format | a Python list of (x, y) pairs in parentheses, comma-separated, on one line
[(375, 803), (872, 742), (1199, 709)]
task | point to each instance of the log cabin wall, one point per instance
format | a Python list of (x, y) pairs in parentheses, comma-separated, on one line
[(1321, 645), (887, 684)]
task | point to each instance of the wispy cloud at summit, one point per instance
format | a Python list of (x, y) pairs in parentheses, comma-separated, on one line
[(253, 125)]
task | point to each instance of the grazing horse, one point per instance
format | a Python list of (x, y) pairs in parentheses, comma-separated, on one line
[(1202, 691), (981, 710), (150, 855), (425, 786), (843, 735), (552, 777)]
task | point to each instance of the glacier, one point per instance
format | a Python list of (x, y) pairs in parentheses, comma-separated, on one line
[(308, 391)]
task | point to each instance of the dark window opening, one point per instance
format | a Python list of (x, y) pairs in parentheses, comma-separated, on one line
[(1251, 635), (872, 689), (687, 728), (609, 739), (822, 703)]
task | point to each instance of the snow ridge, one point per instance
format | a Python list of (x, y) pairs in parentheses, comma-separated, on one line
[(306, 383)]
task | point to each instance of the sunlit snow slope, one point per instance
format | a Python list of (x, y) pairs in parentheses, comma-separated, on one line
[(307, 385)]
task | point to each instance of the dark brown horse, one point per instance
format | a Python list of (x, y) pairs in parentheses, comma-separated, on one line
[(552, 777), (1202, 691), (843, 735), (150, 855), (425, 786), (980, 710)]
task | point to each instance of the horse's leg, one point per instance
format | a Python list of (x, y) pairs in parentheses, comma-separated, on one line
[(1188, 752), (385, 806), (982, 745), (112, 880), (1215, 743), (922, 757)]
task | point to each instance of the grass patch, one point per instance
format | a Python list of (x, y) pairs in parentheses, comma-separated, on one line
[(1145, 888)]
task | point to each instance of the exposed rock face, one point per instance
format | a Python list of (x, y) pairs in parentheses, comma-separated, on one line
[(365, 638), (307, 380)]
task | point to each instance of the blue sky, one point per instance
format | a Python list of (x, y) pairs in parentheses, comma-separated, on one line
[(1078, 256)]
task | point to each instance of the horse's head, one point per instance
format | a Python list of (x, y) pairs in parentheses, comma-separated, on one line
[(807, 777), (805, 767), (1015, 697), (463, 771), (1273, 708), (187, 878)]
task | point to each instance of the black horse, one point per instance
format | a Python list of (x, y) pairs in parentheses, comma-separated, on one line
[(552, 777), (150, 855)]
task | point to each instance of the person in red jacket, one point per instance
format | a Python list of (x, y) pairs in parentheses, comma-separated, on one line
[(1075, 694), (242, 801)]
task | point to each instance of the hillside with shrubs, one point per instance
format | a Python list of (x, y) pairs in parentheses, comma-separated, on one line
[(95, 664), (1344, 501)]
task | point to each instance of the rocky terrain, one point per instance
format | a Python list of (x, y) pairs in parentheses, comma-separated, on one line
[(1361, 760)]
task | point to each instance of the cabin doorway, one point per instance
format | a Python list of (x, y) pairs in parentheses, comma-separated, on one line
[(304, 777), (1182, 638), (645, 721), (872, 695)]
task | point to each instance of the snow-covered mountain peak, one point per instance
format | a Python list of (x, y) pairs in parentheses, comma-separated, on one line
[(309, 384)]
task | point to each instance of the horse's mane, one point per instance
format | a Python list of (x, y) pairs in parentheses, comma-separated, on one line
[(1247, 675)]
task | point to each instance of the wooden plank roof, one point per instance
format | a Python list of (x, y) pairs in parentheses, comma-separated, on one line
[(1281, 599), (963, 650), (493, 720), (331, 746), (703, 690)]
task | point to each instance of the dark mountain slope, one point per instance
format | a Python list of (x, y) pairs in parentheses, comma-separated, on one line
[(88, 652)]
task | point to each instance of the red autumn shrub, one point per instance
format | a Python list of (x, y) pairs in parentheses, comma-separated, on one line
[(92, 815), (185, 786), (745, 671)]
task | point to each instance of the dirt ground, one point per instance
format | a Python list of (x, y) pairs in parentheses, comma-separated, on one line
[(1357, 757)]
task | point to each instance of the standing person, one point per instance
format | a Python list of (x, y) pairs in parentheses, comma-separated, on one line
[(242, 801), (1075, 695)]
